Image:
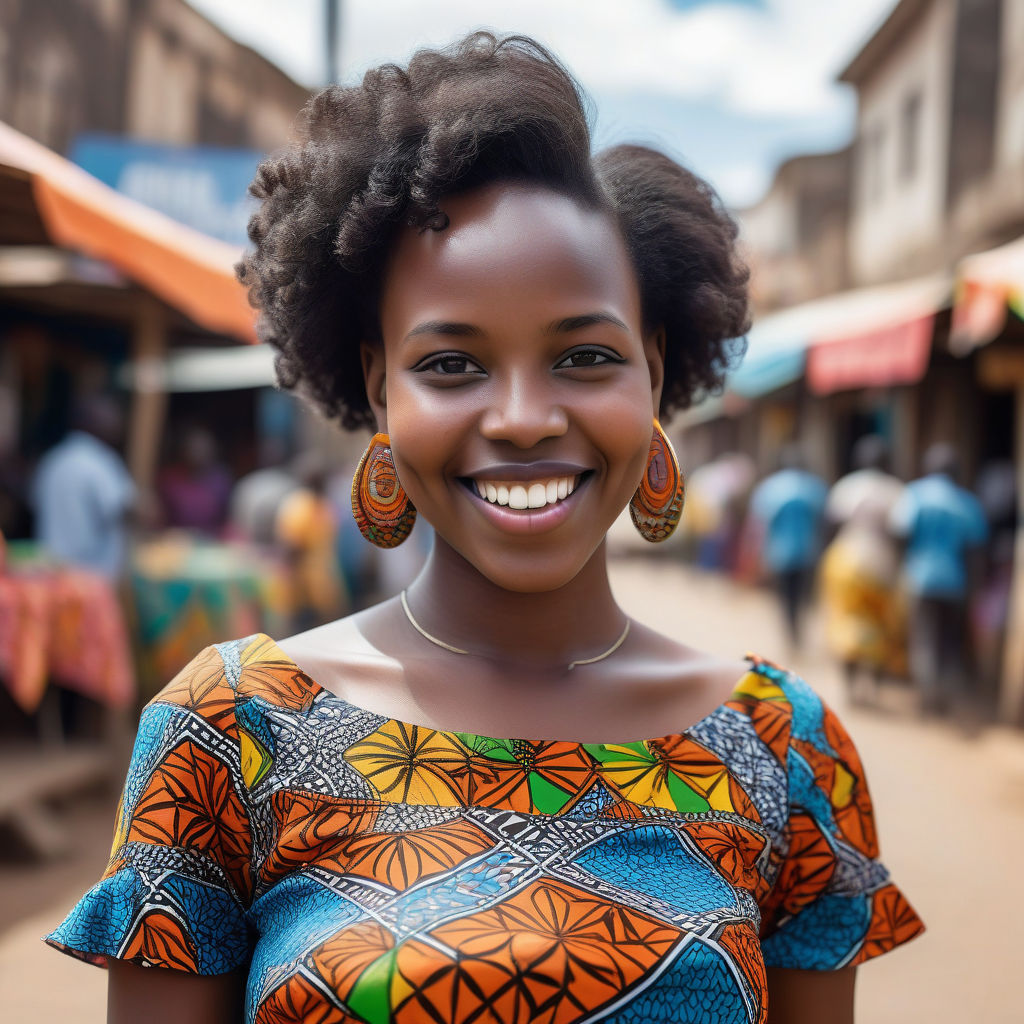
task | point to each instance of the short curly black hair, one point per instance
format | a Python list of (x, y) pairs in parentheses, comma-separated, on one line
[(371, 158)]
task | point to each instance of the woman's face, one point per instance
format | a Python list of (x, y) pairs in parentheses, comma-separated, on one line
[(520, 387)]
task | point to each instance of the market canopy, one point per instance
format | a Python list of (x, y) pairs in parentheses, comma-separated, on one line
[(866, 337), (988, 285), (207, 369), (45, 199)]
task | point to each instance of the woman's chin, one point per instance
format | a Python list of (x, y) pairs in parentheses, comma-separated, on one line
[(533, 573)]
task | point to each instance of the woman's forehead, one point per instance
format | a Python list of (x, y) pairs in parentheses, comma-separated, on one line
[(512, 240)]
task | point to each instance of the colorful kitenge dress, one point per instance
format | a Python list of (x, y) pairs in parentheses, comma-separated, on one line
[(363, 869)]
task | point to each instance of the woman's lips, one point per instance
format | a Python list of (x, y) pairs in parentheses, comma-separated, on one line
[(527, 520)]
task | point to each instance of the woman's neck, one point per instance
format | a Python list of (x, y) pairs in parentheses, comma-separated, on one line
[(452, 601)]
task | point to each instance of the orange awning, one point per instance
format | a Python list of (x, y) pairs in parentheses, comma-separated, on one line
[(190, 271)]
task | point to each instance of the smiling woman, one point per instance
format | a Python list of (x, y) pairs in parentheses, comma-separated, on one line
[(494, 798)]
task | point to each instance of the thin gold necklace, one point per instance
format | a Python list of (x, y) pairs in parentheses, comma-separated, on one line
[(458, 650)]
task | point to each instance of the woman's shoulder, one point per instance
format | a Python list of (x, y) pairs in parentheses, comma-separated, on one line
[(786, 711), (801, 728), (223, 675)]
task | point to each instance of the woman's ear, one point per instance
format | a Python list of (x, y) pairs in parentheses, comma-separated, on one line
[(654, 351), (371, 355)]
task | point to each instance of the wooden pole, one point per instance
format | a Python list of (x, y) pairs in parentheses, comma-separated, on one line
[(1011, 703), (149, 400), (332, 19)]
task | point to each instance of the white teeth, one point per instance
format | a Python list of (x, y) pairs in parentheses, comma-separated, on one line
[(517, 497), (537, 494)]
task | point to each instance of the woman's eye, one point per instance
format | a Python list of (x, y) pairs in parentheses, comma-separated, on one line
[(452, 366), (586, 357)]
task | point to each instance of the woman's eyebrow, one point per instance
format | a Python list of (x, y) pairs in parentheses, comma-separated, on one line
[(449, 327), (574, 323)]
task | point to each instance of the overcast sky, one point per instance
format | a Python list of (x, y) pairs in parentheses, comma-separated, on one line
[(729, 87)]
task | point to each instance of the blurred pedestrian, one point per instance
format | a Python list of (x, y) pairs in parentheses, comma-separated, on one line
[(83, 493), (789, 506), (257, 497), (716, 499), (306, 529), (865, 619), (196, 488), (942, 523)]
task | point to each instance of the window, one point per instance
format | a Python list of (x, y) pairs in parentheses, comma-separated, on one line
[(910, 132), (872, 163)]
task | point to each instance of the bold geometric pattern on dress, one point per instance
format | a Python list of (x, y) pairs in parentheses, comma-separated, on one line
[(366, 871)]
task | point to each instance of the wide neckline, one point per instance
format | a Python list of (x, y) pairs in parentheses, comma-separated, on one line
[(322, 691)]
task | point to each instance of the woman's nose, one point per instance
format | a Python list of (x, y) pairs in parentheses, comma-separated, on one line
[(524, 413)]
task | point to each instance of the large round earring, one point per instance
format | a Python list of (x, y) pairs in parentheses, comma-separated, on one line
[(657, 505), (382, 510)]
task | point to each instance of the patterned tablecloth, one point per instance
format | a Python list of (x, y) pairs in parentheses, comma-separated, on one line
[(64, 625), (188, 594)]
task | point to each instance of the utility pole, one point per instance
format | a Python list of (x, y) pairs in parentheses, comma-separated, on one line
[(332, 17)]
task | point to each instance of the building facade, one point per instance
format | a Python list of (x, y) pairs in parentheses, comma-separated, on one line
[(150, 70), (795, 237)]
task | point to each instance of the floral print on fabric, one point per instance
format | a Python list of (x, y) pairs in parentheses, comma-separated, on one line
[(362, 869)]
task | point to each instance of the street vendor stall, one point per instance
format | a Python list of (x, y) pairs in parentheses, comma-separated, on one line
[(71, 247), (988, 316), (64, 625), (189, 593)]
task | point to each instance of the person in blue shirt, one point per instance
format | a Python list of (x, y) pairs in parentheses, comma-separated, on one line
[(790, 506), (941, 523), (83, 493)]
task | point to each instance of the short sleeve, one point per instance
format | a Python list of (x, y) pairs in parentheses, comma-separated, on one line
[(832, 903), (177, 888)]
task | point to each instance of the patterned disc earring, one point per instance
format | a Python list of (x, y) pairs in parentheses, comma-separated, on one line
[(382, 510), (657, 505)]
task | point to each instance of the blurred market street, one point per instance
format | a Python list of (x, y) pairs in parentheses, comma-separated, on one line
[(950, 805)]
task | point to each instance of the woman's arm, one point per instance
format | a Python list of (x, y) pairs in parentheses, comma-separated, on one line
[(810, 997), (161, 996)]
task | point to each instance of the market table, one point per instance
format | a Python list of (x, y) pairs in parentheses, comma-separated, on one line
[(62, 624), (189, 593)]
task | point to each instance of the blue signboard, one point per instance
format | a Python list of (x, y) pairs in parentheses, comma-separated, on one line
[(201, 186)]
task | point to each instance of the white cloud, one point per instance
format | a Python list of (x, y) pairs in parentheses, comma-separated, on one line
[(742, 184), (779, 60), (726, 87)]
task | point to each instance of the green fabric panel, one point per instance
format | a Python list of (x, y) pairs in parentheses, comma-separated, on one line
[(488, 746), (683, 797), (371, 994), (546, 797)]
